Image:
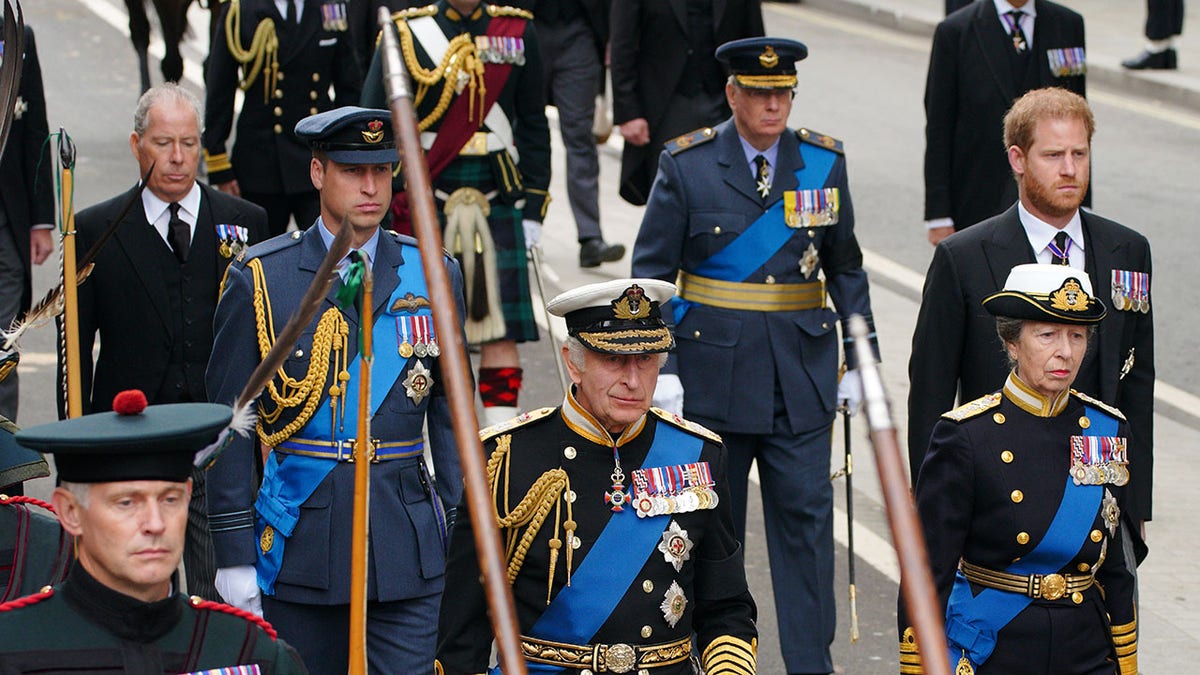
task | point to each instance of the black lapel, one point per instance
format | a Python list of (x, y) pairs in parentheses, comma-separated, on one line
[(733, 161), (995, 45), (1006, 248), (1103, 254), (142, 246), (680, 7), (299, 40), (718, 14)]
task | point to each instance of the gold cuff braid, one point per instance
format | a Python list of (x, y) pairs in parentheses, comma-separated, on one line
[(728, 655), (1125, 642), (910, 655)]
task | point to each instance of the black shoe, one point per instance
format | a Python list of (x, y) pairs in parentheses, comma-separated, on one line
[(1148, 60), (595, 251)]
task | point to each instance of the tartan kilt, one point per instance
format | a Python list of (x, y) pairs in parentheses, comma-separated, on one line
[(504, 222)]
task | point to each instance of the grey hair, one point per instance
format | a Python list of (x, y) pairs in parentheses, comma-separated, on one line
[(163, 93), (81, 491), (576, 349), (1009, 330)]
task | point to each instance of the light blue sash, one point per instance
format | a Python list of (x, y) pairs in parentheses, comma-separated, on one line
[(766, 235), (972, 623), (288, 484)]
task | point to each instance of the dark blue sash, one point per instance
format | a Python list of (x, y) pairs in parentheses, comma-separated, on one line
[(972, 623), (766, 235), (612, 564), (288, 484)]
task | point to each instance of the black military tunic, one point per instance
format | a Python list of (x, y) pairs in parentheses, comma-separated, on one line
[(719, 610), (84, 626), (990, 486)]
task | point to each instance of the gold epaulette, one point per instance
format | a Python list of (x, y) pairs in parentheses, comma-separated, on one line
[(690, 140), (1124, 639), (820, 140), (504, 10), (414, 12), (690, 427), (1099, 404), (910, 656), (518, 421), (729, 655), (968, 410)]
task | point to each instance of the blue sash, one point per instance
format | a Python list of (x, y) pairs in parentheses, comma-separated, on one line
[(972, 623), (288, 484), (766, 235), (613, 563)]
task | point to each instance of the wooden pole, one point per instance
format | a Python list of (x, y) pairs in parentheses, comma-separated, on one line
[(361, 528), (454, 362), (916, 581), (70, 319)]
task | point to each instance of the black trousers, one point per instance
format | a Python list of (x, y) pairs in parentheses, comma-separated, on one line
[(1164, 19)]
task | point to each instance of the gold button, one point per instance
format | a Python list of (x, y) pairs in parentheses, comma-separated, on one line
[(770, 279), (569, 452), (812, 234), (1096, 536), (717, 229), (279, 76), (299, 353), (576, 542), (644, 671), (316, 77), (1077, 597), (1006, 457), (1022, 538), (278, 129), (647, 631), (648, 586), (297, 234), (1084, 422), (1083, 567), (998, 418), (570, 496), (585, 671), (278, 111), (825, 325), (696, 335), (313, 95), (313, 111), (278, 93), (1017, 496)]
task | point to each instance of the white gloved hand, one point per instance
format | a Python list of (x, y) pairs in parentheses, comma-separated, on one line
[(238, 586), (668, 394), (533, 232), (850, 391)]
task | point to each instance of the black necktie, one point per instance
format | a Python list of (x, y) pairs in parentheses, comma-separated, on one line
[(763, 176), (179, 233), (290, 18), (1061, 249), (1017, 35)]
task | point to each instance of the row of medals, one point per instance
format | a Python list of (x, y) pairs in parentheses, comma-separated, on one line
[(1130, 304), (421, 349), (231, 247), (691, 499), (1099, 474)]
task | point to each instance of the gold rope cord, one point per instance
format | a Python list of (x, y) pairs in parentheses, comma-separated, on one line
[(330, 336), (460, 66), (531, 513), (264, 49)]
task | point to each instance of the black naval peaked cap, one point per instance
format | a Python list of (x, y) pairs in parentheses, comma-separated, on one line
[(135, 442), (762, 62), (351, 135), (623, 316), (1051, 293)]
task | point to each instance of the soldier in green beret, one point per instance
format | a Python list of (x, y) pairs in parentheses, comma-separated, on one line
[(125, 485)]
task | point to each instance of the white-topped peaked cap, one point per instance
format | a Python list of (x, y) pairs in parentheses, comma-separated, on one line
[(622, 316)]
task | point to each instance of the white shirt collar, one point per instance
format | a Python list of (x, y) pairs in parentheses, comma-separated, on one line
[(156, 209), (368, 248), (281, 5), (1040, 234), (1027, 20), (751, 152)]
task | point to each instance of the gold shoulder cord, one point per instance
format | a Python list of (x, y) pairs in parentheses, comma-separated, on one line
[(460, 66), (330, 336), (547, 491), (264, 48)]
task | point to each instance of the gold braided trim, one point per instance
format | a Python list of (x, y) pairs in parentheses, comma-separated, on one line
[(766, 81), (661, 339), (285, 391), (729, 655), (545, 202), (910, 655), (1128, 664), (460, 67), (531, 513), (263, 51), (218, 162), (757, 297), (498, 10), (605, 658)]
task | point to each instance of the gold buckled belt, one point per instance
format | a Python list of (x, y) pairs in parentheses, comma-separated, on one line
[(343, 450), (1036, 586), (614, 658), (752, 297)]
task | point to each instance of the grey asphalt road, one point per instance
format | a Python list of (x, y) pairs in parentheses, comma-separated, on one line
[(862, 84)]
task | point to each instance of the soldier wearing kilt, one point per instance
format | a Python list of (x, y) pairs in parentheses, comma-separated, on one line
[(480, 103)]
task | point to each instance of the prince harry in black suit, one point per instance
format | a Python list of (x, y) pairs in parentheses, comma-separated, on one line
[(956, 349), (153, 292)]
